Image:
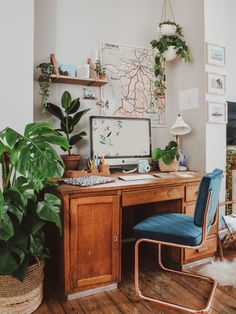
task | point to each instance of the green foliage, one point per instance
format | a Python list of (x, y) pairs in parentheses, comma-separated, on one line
[(230, 155), (168, 154), (28, 162), (69, 119), (162, 45), (45, 82)]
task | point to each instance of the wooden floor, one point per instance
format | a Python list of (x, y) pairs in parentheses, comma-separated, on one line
[(153, 282)]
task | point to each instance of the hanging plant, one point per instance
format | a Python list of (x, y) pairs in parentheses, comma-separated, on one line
[(45, 81), (170, 44)]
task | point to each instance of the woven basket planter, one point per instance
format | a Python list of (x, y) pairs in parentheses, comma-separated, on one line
[(22, 297), (173, 166)]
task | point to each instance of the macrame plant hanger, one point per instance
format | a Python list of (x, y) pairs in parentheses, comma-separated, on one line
[(164, 15)]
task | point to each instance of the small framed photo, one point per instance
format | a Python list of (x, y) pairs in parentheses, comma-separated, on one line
[(216, 83), (216, 55), (217, 112)]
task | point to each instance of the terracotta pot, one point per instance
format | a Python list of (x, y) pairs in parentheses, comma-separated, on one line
[(173, 166), (71, 162), (102, 76)]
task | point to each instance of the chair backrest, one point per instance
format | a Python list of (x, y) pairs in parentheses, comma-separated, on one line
[(210, 182)]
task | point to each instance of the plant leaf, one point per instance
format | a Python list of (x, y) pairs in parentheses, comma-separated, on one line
[(55, 110), (7, 263), (76, 138), (74, 106), (78, 116), (1, 204), (32, 154), (157, 154), (35, 245), (20, 272), (66, 100), (49, 209), (15, 211), (6, 228), (2, 148)]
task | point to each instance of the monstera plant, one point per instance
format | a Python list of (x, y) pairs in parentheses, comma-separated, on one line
[(28, 162)]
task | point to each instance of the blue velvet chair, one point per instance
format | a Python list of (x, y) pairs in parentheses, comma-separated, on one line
[(182, 231)]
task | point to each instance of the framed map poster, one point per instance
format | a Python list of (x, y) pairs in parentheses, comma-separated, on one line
[(130, 91)]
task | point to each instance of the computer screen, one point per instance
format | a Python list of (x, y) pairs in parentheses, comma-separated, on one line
[(120, 140)]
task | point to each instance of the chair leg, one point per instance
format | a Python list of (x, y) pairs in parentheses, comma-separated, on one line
[(164, 304)]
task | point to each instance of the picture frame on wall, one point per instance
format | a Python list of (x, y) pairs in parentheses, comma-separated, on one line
[(216, 55), (216, 83), (217, 112)]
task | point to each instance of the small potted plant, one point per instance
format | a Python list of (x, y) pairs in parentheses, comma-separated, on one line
[(168, 157), (28, 162), (100, 70), (69, 119)]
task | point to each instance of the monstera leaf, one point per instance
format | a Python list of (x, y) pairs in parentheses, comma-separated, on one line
[(32, 154), (28, 161)]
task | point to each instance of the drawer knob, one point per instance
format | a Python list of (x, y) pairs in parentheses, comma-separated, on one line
[(115, 238), (202, 249)]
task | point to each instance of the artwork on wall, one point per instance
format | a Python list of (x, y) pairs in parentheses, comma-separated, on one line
[(216, 83), (130, 91), (216, 55), (217, 112)]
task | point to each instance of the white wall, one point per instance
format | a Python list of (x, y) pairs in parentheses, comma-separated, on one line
[(230, 7), (215, 32), (16, 54), (182, 76), (74, 31)]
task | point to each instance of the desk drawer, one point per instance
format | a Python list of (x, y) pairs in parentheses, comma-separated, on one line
[(208, 249), (191, 193), (151, 196), (189, 209)]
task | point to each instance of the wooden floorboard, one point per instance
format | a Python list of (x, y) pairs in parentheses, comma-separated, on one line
[(153, 282)]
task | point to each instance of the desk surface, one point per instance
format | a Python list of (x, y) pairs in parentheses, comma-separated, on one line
[(119, 184)]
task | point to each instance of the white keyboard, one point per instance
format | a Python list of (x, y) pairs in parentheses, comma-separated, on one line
[(135, 177)]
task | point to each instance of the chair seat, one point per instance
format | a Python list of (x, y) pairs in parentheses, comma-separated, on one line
[(172, 227)]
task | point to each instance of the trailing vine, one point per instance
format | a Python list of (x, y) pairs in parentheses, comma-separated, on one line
[(47, 69), (162, 45)]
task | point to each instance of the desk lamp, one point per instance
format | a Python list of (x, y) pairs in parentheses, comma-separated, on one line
[(180, 128)]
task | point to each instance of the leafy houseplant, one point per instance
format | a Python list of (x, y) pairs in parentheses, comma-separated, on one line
[(69, 119), (168, 46), (168, 157), (99, 68), (28, 161), (45, 82)]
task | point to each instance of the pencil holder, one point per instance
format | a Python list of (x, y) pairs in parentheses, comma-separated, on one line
[(104, 169)]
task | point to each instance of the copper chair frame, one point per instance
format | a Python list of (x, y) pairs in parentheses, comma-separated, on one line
[(166, 304)]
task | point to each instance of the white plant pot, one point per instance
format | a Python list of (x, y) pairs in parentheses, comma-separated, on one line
[(167, 29), (170, 54)]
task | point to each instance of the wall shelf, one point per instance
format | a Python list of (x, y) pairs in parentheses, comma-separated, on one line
[(62, 79)]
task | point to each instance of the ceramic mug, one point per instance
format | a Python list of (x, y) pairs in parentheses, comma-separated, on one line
[(143, 166)]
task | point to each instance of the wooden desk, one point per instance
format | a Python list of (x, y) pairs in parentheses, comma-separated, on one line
[(90, 248)]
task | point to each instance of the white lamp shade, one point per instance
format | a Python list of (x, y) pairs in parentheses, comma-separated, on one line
[(180, 127)]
